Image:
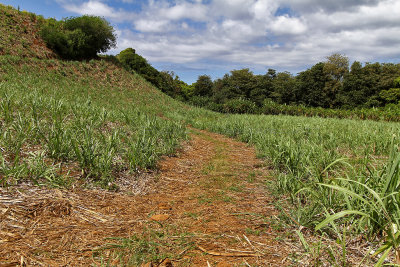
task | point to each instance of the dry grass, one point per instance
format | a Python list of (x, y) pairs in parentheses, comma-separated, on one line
[(19, 34)]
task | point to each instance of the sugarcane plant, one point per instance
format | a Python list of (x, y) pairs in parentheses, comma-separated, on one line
[(377, 211)]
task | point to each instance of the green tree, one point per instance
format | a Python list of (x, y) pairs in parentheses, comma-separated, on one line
[(127, 56), (203, 86), (132, 61), (171, 84), (284, 88), (55, 37), (364, 84), (311, 84), (239, 84), (391, 95), (263, 88), (79, 37), (353, 92), (336, 68), (97, 35), (187, 90)]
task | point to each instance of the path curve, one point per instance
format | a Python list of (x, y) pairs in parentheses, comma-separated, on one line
[(207, 206)]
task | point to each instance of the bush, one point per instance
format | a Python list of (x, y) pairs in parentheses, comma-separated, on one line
[(200, 101), (132, 61), (240, 105), (79, 37)]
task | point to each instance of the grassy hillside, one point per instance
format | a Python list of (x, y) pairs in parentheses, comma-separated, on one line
[(68, 121), (90, 120), (19, 34)]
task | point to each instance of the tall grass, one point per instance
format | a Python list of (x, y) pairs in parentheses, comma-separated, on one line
[(68, 121), (376, 202), (107, 121), (329, 168)]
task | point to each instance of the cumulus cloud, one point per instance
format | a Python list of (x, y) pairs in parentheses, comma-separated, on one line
[(287, 25), (252, 33), (327, 6), (95, 7)]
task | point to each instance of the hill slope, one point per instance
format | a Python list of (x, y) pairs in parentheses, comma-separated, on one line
[(19, 34), (94, 116), (70, 125)]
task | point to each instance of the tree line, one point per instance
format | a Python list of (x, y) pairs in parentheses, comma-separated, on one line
[(328, 89), (330, 84)]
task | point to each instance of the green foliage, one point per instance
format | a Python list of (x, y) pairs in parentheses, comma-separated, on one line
[(237, 85), (187, 90), (311, 90), (55, 38), (167, 82), (79, 37), (65, 125), (151, 245), (377, 204), (203, 86), (337, 66), (397, 83), (327, 89), (239, 106), (390, 96), (127, 57), (107, 125)]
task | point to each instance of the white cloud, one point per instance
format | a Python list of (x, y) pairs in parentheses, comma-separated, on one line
[(185, 11), (286, 25), (144, 25), (97, 8), (263, 9), (271, 33), (92, 8)]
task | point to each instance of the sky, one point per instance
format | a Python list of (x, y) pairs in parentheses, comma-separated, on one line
[(213, 37)]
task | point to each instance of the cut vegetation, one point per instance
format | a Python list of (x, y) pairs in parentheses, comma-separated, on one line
[(91, 153)]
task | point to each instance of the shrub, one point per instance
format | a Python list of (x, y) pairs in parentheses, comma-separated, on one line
[(79, 37), (200, 101), (240, 105)]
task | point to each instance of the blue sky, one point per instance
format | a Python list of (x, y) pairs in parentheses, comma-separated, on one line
[(195, 37)]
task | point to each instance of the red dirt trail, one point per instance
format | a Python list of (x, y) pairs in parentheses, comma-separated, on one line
[(211, 200)]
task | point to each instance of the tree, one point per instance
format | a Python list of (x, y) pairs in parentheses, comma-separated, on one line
[(284, 88), (79, 37), (336, 67), (127, 56), (133, 61), (203, 86), (311, 84), (353, 91), (264, 87), (391, 95), (240, 84)]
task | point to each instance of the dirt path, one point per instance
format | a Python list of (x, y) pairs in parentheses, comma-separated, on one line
[(208, 206)]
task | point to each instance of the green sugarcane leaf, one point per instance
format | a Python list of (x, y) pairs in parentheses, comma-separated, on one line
[(383, 257), (337, 216)]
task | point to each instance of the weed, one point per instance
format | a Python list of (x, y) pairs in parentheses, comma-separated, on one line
[(150, 246)]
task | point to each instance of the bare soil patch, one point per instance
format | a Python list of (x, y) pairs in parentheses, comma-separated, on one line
[(207, 206)]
